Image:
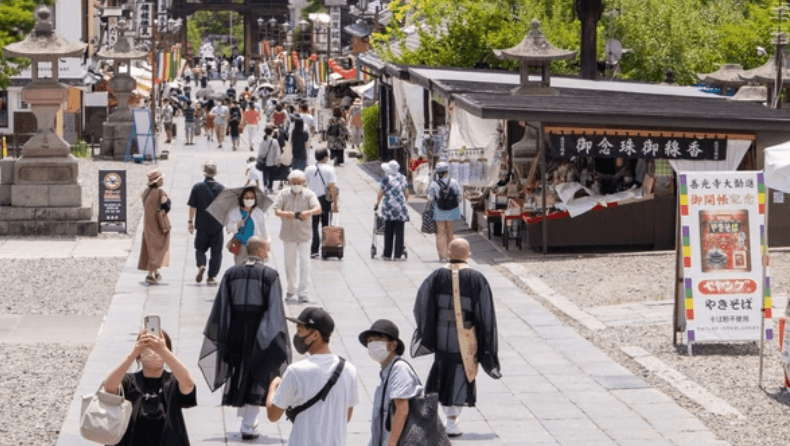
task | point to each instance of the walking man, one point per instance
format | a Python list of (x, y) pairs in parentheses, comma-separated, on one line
[(220, 114), (209, 230), (439, 321), (321, 180), (189, 123), (246, 337), (295, 205), (320, 421), (167, 119)]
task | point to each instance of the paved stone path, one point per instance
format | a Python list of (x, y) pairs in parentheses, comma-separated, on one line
[(557, 388)]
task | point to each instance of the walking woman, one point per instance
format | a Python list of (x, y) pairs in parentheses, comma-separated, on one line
[(299, 139), (337, 135), (157, 395), (155, 250), (247, 220), (269, 152), (444, 192), (393, 196)]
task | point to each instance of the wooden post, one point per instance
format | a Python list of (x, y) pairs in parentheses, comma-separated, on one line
[(589, 13)]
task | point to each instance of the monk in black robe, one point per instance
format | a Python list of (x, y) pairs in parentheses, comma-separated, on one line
[(437, 332), (246, 338)]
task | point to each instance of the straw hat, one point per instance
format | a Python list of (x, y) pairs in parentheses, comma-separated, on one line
[(210, 168), (154, 176), (357, 101)]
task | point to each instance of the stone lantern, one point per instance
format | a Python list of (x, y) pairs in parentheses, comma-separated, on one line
[(119, 123), (42, 185), (535, 51)]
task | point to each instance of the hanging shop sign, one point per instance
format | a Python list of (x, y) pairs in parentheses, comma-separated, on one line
[(649, 145), (725, 283)]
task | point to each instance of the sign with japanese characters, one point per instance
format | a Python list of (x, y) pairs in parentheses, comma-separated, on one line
[(145, 20), (722, 222), (334, 30), (625, 146), (112, 196)]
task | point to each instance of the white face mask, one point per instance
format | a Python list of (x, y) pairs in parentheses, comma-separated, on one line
[(296, 188), (377, 350), (249, 202)]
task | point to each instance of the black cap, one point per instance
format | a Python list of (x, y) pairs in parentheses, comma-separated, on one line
[(383, 327), (317, 319)]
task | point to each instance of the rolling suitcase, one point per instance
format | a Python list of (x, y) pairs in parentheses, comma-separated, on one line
[(333, 240)]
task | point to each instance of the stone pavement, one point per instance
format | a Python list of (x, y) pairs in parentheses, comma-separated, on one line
[(557, 388)]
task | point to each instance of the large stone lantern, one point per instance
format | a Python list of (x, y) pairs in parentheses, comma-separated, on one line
[(119, 124), (41, 186), (535, 51)]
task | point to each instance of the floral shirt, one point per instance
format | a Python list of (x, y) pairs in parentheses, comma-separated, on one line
[(393, 203)]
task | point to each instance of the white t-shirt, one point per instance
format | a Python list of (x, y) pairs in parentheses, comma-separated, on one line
[(325, 423), (253, 173), (220, 112), (314, 182)]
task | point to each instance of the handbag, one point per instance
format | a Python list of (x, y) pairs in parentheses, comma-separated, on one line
[(161, 215), (234, 244), (104, 417), (467, 338), (428, 223), (423, 425), (260, 164), (327, 192)]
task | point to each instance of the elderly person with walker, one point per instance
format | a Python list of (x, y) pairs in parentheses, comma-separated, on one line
[(392, 196)]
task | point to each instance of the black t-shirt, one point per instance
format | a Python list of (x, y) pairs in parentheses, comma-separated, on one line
[(151, 419), (200, 198)]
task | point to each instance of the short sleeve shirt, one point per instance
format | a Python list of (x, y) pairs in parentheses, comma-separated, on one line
[(393, 203), (251, 116), (296, 230), (314, 178), (220, 111), (325, 422), (403, 384), (203, 193)]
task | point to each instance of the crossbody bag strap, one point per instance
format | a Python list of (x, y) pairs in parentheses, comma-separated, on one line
[(292, 413), (318, 171), (244, 220), (465, 336), (385, 421)]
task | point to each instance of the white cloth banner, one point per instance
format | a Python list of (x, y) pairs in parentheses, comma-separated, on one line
[(777, 167), (722, 220), (469, 131), (409, 98)]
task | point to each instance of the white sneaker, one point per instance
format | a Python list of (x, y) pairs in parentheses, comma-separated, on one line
[(452, 427), (249, 432)]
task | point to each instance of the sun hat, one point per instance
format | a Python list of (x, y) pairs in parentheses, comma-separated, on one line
[(357, 101), (394, 167), (383, 327), (317, 319), (386, 168), (154, 176)]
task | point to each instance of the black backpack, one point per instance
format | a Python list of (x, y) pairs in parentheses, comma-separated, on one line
[(334, 129), (446, 199)]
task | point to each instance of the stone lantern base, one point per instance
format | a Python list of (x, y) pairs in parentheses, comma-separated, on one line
[(41, 196), (115, 139)]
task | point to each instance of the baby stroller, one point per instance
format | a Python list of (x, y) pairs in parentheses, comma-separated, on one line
[(378, 229)]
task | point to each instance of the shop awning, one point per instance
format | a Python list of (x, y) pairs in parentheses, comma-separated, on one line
[(365, 91)]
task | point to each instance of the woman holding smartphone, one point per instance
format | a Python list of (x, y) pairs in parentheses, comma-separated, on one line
[(157, 395)]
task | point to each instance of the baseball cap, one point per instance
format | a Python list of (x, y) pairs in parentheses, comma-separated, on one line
[(317, 319)]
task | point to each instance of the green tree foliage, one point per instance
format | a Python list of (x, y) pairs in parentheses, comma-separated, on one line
[(16, 21), (314, 6), (370, 128), (203, 23), (685, 36)]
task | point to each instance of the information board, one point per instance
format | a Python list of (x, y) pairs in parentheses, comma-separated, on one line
[(112, 197), (141, 138), (723, 224)]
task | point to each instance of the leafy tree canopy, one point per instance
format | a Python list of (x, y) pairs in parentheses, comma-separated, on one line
[(203, 23), (16, 21), (685, 36)]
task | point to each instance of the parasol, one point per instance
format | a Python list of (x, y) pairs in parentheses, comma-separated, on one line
[(228, 200)]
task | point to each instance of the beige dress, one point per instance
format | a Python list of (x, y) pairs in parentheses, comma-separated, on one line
[(155, 250)]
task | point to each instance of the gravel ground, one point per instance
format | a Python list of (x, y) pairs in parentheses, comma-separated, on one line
[(37, 382), (730, 371)]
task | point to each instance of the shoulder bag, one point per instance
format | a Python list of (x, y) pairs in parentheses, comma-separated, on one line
[(428, 223), (327, 194), (423, 425), (292, 412), (104, 417), (161, 215), (234, 244), (260, 164)]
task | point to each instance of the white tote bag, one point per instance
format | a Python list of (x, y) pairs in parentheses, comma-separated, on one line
[(104, 416)]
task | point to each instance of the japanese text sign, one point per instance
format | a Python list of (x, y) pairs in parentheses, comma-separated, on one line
[(650, 147), (722, 221)]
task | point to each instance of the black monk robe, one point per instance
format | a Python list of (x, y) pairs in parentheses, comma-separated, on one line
[(246, 340), (436, 333)]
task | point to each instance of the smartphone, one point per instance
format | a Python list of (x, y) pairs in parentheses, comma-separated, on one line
[(152, 325)]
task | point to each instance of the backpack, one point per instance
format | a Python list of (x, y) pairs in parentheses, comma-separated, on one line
[(446, 199), (334, 129)]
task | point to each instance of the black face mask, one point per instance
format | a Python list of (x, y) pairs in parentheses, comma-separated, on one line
[(299, 344)]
